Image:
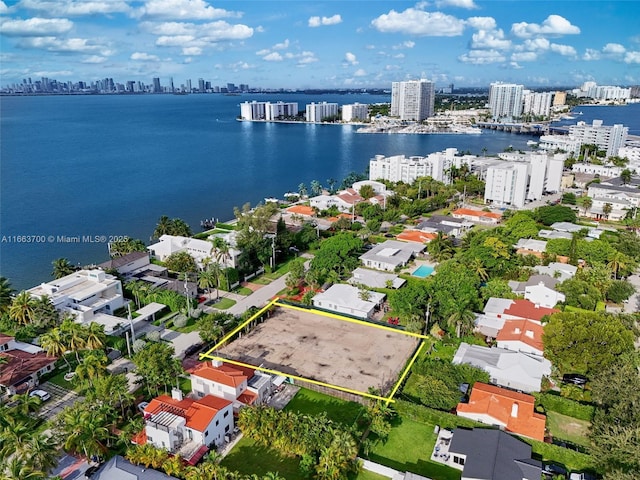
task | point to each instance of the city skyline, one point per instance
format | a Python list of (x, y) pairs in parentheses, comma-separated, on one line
[(328, 44)]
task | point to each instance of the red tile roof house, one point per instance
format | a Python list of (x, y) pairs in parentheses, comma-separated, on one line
[(511, 411), (184, 426), (479, 216), (25, 365), (241, 386), (521, 336), (499, 310)]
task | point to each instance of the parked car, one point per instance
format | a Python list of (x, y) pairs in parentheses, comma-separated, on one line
[(575, 379), (41, 394), (553, 470)]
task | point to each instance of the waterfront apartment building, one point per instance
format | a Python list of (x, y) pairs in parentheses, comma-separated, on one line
[(399, 168), (506, 100), (355, 112), (412, 100), (317, 112), (537, 103), (267, 110), (606, 137), (602, 92), (522, 178)]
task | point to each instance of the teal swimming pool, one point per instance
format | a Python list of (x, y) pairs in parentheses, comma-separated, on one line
[(423, 271)]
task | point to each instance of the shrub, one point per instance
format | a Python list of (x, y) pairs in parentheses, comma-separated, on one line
[(564, 406), (180, 321), (153, 336), (139, 345)]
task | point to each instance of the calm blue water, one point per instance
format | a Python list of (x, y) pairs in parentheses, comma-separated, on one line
[(423, 271), (112, 165), (628, 115)]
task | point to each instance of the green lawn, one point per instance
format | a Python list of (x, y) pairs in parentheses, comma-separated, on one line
[(188, 328), (368, 475), (568, 428), (243, 291), (314, 403), (262, 280), (58, 379), (247, 457), (408, 448), (224, 303)]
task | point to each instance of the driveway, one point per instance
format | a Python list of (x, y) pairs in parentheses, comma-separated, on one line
[(60, 399)]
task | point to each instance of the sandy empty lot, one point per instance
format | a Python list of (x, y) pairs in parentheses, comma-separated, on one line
[(313, 346)]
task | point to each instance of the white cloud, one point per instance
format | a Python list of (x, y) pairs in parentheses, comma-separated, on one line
[(191, 51), (515, 65), (182, 10), (360, 73), (144, 57), (524, 57), (565, 50), (264, 51), (536, 44), (482, 57), (36, 27), (482, 23), (613, 48), (417, 22), (221, 30), (632, 57), (169, 28), (590, 54), (553, 25), (351, 58), (69, 45), (281, 46), (94, 59), (72, 8), (174, 40), (273, 57), (399, 55), (469, 4), (306, 57), (406, 44), (323, 21), (490, 39), (3, 8)]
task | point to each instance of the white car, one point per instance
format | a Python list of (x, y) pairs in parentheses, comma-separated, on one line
[(41, 394)]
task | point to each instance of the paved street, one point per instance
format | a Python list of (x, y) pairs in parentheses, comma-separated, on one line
[(60, 398)]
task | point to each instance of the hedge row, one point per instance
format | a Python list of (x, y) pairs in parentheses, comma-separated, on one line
[(565, 406)]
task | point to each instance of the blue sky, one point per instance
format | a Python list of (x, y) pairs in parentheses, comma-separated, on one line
[(325, 44)]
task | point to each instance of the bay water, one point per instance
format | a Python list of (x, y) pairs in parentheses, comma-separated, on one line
[(76, 171)]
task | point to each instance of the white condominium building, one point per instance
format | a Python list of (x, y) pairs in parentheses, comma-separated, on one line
[(608, 138), (407, 169), (413, 100), (317, 112), (356, 111), (537, 103), (281, 110), (505, 100), (523, 177), (267, 110), (602, 92)]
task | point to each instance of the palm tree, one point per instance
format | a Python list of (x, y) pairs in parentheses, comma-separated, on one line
[(209, 278), (617, 261), (302, 190), (163, 227), (25, 404), (18, 468), (84, 430), (43, 452), (316, 188), (94, 336), (62, 267), (462, 318), (174, 466), (54, 343), (111, 390), (5, 294), (331, 182), (93, 366), (587, 203), (21, 309), (74, 336), (478, 267), (440, 248), (606, 209)]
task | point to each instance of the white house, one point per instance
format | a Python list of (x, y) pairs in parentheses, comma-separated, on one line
[(183, 425), (391, 254), (375, 279), (85, 294), (560, 271), (507, 368), (241, 386), (347, 299), (540, 290), (200, 250), (521, 336)]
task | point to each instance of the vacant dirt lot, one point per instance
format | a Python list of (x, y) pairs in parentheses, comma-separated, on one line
[(324, 349)]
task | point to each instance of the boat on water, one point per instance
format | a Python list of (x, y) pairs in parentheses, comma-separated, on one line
[(532, 142)]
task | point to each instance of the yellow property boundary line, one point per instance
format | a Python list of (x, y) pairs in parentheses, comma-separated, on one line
[(209, 354)]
